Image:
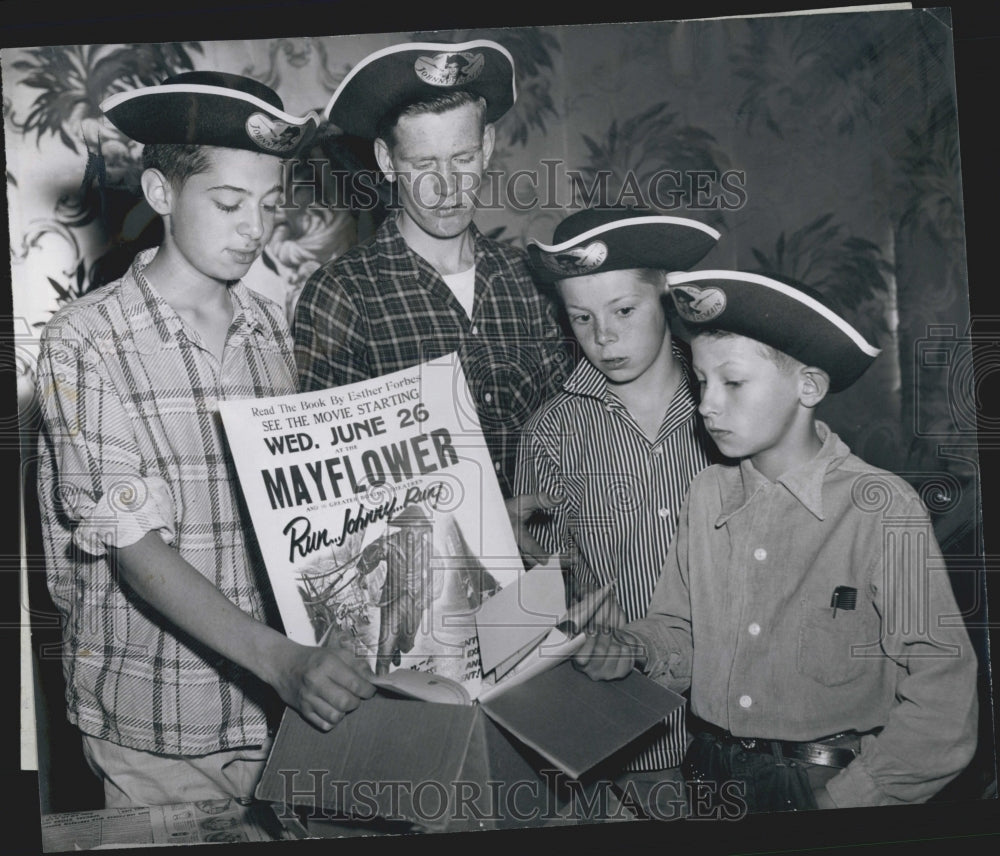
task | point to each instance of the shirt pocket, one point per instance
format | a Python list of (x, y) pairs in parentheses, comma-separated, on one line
[(831, 648)]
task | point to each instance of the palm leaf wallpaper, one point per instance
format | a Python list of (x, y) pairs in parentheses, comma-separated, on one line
[(823, 147)]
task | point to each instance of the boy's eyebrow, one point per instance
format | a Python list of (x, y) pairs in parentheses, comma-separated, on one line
[(608, 302), (727, 364), (419, 156), (236, 189)]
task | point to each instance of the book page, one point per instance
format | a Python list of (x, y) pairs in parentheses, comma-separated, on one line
[(424, 686), (379, 516), (559, 644)]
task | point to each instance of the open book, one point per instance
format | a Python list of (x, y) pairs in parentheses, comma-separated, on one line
[(526, 636), (523, 630)]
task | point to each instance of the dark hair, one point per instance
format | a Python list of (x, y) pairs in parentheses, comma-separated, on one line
[(177, 161), (385, 130)]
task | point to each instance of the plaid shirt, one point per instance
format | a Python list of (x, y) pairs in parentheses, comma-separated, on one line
[(623, 498), (132, 443), (381, 307)]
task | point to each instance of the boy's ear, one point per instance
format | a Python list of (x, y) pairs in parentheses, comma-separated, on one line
[(157, 190), (384, 159), (814, 383), (489, 141)]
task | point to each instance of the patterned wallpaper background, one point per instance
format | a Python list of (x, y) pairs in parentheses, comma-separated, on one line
[(823, 147)]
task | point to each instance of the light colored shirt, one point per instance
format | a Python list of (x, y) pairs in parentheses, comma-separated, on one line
[(132, 443), (742, 614), (622, 496)]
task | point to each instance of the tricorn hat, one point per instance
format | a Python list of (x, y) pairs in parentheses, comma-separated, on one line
[(394, 77), (782, 313), (211, 108), (602, 239)]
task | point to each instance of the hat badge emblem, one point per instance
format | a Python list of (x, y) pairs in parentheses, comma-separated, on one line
[(272, 134), (450, 69), (698, 304), (578, 260)]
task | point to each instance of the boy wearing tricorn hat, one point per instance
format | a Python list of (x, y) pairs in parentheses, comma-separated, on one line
[(149, 553), (804, 600), (621, 441), (430, 283)]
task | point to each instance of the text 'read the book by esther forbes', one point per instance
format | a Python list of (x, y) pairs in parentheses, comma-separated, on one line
[(378, 514)]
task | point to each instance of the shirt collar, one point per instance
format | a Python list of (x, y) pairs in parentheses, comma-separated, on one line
[(805, 482), (586, 380), (396, 256), (139, 295)]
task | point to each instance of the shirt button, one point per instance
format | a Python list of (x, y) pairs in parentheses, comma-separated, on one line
[(657, 451), (754, 629), (664, 513), (496, 466), (488, 397), (475, 330), (760, 554), (745, 701)]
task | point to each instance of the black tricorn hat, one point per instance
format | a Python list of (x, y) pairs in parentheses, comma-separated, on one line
[(211, 108), (782, 313), (602, 239), (394, 77)]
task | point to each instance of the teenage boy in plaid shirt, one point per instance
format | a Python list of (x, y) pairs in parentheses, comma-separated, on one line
[(170, 665), (430, 283)]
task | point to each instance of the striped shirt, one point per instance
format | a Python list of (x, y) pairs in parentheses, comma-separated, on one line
[(623, 495), (131, 444), (381, 307)]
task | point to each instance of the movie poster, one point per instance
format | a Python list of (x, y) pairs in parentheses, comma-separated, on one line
[(378, 515)]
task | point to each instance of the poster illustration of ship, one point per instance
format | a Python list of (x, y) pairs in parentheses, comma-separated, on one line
[(378, 515)]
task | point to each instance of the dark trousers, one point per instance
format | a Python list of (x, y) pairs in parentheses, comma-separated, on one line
[(725, 778)]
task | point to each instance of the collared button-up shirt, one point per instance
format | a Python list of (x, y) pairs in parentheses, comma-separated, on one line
[(381, 307), (622, 497), (132, 443), (743, 614)]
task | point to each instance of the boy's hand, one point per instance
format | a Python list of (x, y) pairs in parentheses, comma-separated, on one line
[(520, 509), (607, 655), (608, 616), (323, 683)]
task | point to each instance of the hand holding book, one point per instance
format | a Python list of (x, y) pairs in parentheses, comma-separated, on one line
[(609, 651)]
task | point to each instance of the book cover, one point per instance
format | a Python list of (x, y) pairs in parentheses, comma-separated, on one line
[(378, 514)]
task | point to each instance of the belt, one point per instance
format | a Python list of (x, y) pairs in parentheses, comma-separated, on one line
[(819, 752)]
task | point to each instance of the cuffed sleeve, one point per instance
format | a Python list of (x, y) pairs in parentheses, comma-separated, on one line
[(127, 510), (103, 491)]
